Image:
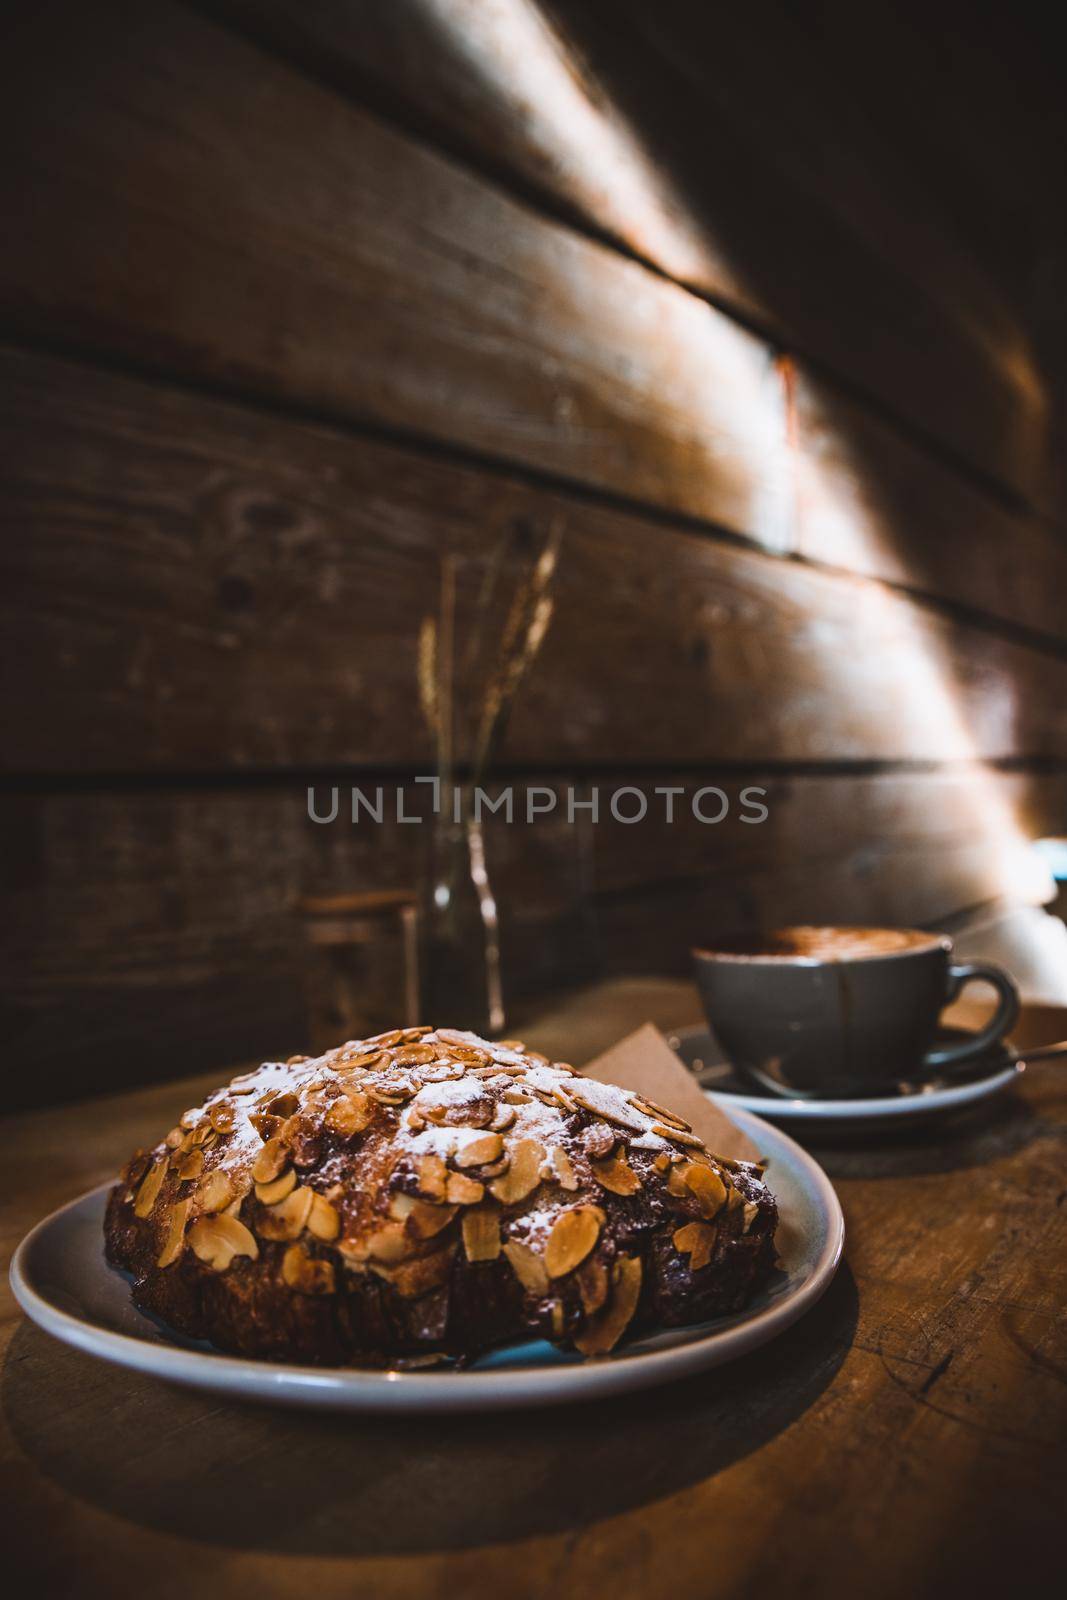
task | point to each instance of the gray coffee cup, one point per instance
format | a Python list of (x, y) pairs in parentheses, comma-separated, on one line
[(834, 1012)]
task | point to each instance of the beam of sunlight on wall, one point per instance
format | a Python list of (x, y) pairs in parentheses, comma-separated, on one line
[(577, 134), (922, 692), (511, 47)]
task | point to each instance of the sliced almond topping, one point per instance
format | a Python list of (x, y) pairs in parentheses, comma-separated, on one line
[(734, 1198), (417, 1030), (677, 1135), (217, 1240), (653, 1110), (394, 1095), (148, 1193), (433, 1176), (265, 1124), (572, 1238), (429, 1220), (464, 1191), (413, 1278), (191, 1165), (174, 1138), (676, 1183), (190, 1118), (214, 1192), (283, 1105), (697, 1241), (606, 1101), (481, 1233), (175, 1240), (350, 1113), (528, 1267), (389, 1243), (616, 1174), (476, 1152), (503, 1117), (559, 1166), (277, 1189), (358, 1063), (305, 1274), (222, 1116), (751, 1213), (323, 1219), (386, 1041), (708, 1187), (238, 1237), (592, 1280), (662, 1161), (511, 1044), (135, 1170), (524, 1173), (271, 1161), (495, 1168), (564, 1099), (288, 1218), (517, 1096), (415, 1055), (604, 1330), (472, 1053)]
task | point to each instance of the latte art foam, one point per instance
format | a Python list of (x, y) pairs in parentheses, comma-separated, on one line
[(812, 943)]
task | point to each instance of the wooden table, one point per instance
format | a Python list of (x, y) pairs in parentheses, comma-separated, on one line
[(906, 1439)]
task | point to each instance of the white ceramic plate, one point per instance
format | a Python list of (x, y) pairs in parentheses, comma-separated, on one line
[(62, 1281), (990, 1076)]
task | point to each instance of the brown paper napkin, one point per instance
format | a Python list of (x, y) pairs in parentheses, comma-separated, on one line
[(645, 1062)]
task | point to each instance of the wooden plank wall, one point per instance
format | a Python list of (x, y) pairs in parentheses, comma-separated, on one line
[(294, 299)]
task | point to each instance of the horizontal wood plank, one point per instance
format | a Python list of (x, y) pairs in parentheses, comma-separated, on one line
[(179, 199), (713, 143), (869, 501), (192, 585), (145, 932), (329, 263)]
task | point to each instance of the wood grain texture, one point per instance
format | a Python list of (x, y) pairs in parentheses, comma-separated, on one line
[(193, 585), (756, 155), (183, 201), (869, 501), (144, 931), (327, 263), (911, 1425)]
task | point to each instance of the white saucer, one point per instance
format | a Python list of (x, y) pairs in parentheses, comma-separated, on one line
[(990, 1076), (62, 1281)]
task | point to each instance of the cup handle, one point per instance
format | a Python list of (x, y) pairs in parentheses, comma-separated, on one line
[(1001, 1023)]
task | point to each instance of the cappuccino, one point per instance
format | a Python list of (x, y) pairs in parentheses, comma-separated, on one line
[(827, 944)]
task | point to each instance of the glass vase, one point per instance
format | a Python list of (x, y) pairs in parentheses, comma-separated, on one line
[(461, 978)]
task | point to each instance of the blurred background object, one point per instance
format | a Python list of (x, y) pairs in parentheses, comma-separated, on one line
[(301, 305), (361, 965)]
